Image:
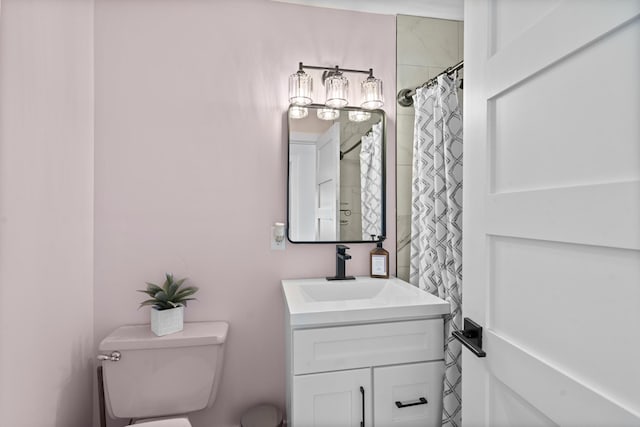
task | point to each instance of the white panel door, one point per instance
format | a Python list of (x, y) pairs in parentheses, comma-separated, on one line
[(552, 212), (332, 399), (328, 184)]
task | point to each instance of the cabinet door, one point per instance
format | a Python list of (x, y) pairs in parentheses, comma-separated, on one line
[(398, 394), (332, 399)]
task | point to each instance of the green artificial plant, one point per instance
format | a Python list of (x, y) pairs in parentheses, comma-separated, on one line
[(170, 295)]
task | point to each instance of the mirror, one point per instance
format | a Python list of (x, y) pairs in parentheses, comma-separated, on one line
[(336, 175)]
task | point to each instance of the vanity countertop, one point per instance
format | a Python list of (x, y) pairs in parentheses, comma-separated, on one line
[(318, 302)]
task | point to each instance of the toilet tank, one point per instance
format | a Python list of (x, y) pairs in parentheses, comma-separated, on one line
[(168, 375)]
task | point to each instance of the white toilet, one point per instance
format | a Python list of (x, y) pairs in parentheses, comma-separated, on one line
[(157, 381)]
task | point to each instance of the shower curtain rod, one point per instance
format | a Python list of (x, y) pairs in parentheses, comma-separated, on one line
[(405, 95), (344, 153)]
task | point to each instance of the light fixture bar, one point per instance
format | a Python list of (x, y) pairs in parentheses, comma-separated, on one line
[(336, 68)]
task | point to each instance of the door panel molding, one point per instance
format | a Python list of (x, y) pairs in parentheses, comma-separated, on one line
[(551, 214), (511, 64), (565, 400)]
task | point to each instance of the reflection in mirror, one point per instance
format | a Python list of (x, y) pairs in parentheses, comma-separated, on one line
[(336, 174)]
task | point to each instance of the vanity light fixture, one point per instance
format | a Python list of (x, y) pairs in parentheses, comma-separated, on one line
[(336, 87), (298, 112), (359, 116), (328, 113), (372, 92), (300, 88)]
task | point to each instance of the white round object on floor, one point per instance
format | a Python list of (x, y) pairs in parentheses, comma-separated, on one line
[(166, 422), (262, 416)]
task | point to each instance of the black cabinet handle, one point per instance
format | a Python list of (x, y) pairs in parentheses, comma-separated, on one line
[(421, 401), (362, 392), (471, 337)]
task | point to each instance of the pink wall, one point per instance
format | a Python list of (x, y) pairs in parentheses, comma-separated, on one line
[(46, 213), (190, 165)]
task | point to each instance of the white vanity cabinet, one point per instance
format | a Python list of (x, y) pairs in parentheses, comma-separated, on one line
[(332, 398), (353, 375), (399, 392), (363, 353)]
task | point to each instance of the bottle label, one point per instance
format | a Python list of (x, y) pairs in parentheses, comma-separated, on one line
[(378, 265)]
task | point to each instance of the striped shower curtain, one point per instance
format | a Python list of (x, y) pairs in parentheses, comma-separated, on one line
[(436, 219), (371, 182)]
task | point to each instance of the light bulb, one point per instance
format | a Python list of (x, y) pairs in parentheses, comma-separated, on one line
[(359, 116), (328, 114), (297, 112)]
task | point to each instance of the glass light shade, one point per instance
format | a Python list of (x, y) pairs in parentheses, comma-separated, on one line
[(337, 90), (359, 116), (372, 93), (328, 114), (297, 112), (300, 88)]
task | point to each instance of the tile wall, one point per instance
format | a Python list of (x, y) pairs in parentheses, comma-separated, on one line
[(425, 47)]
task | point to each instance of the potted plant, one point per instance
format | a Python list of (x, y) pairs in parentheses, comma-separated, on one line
[(167, 304)]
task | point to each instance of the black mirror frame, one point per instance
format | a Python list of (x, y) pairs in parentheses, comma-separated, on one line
[(384, 180)]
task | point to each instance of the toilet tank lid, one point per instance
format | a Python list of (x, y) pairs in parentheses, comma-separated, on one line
[(138, 337)]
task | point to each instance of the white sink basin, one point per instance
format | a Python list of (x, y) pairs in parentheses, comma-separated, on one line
[(322, 302), (341, 291)]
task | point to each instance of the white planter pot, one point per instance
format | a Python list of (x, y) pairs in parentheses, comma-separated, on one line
[(164, 322)]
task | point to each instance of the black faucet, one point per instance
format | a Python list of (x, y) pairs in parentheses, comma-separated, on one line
[(341, 257)]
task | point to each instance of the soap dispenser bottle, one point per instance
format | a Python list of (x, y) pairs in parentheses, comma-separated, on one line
[(379, 260)]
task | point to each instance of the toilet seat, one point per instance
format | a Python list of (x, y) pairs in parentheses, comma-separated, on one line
[(165, 422)]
